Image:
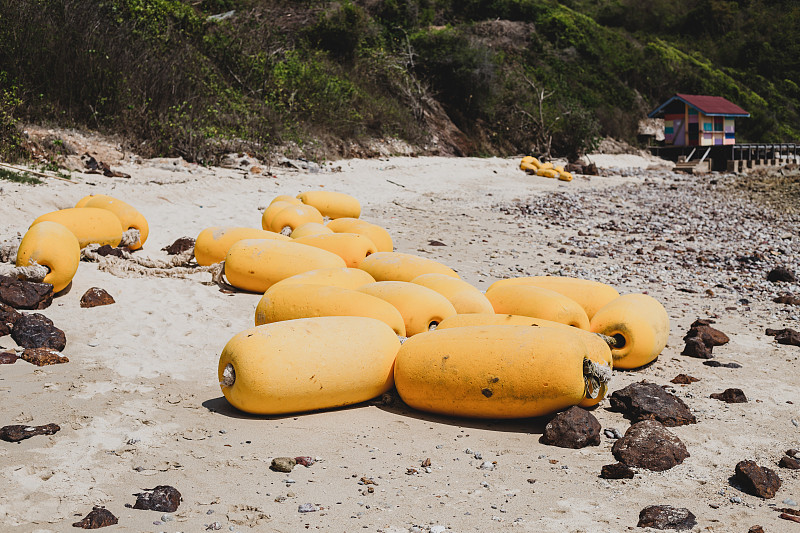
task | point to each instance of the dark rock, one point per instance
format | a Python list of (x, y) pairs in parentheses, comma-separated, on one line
[(590, 170), (711, 336), (666, 517), (107, 249), (730, 396), (789, 462), (695, 347), (304, 461), (17, 433), (43, 356), (283, 464), (648, 444), (37, 331), (95, 297), (756, 529), (789, 337), (617, 471), (180, 246), (757, 480), (717, 364), (788, 299), (648, 401), (790, 514), (432, 242), (793, 453), (779, 274), (8, 317), (684, 379), (8, 358), (97, 518), (163, 498), (21, 294), (573, 428)]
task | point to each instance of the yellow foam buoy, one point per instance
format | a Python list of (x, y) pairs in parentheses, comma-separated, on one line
[(52, 245), (493, 319), (289, 302), (212, 245), (308, 364), (352, 247), (286, 198), (639, 324), (397, 266), (547, 173), (497, 371), (310, 228), (565, 176), (346, 278), (90, 225), (273, 209), (420, 307), (377, 234), (533, 301), (464, 297), (529, 164), (294, 216), (332, 204), (256, 264), (129, 216), (591, 295)]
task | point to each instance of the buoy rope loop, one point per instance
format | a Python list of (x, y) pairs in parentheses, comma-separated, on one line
[(129, 237), (596, 377)]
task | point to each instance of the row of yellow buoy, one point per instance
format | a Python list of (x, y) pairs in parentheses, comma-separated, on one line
[(532, 165)]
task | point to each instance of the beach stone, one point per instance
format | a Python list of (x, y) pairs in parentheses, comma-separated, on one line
[(43, 356), (788, 337), (791, 452), (649, 401), (107, 249), (8, 358), (617, 471), (179, 246), (163, 498), (97, 518), (283, 464), (304, 460), (695, 347), (756, 529), (37, 331), (684, 379), (666, 517), (781, 274), (717, 364), (788, 299), (648, 444), (307, 508), (573, 428), (16, 433), (757, 480), (789, 462), (95, 297), (21, 294), (8, 317), (730, 396), (711, 336)]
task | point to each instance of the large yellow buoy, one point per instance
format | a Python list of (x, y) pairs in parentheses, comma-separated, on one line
[(591, 295), (310, 228), (52, 245), (377, 234), (256, 264), (397, 266), (640, 325), (346, 278), (286, 198), (289, 302), (308, 364), (90, 225), (496, 371), (273, 209), (129, 216), (464, 297), (420, 307), (212, 245), (332, 204), (291, 217), (537, 302), (352, 247)]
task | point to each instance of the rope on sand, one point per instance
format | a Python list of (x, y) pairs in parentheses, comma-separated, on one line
[(8, 250), (131, 265), (32, 272), (129, 237)]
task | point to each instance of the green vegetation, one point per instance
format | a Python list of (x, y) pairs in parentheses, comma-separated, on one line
[(19, 177), (481, 76)]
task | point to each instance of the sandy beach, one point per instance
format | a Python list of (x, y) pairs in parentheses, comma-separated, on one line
[(139, 404)]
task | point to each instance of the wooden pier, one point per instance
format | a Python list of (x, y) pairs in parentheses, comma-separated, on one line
[(729, 158)]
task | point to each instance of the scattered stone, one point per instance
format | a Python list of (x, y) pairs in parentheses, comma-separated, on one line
[(695, 347), (788, 299), (283, 464), (8, 358), (612, 433), (97, 518), (648, 401), (179, 246), (617, 471), (756, 529), (43, 356), (573, 428), (433, 242), (163, 498), (793, 453), (730, 396), (307, 508), (17, 433), (304, 461), (684, 379), (757, 480), (648, 444), (107, 249), (37, 331), (717, 364), (781, 274), (784, 336), (789, 462), (711, 336), (8, 317), (95, 297), (787, 516), (666, 517), (21, 294)]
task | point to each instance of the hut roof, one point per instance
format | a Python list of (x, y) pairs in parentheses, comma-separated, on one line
[(713, 106)]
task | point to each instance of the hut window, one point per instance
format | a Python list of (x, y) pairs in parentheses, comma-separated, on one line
[(718, 123)]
